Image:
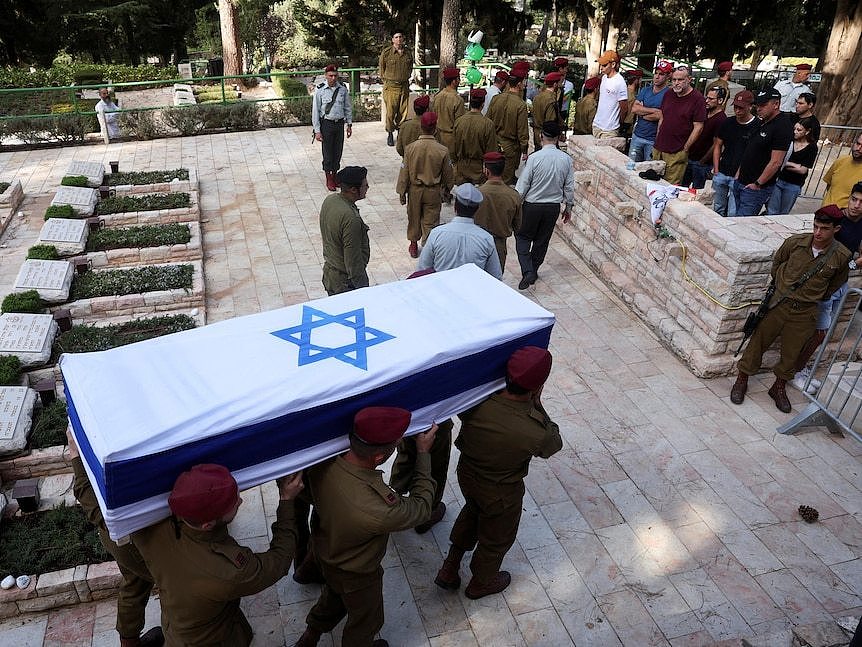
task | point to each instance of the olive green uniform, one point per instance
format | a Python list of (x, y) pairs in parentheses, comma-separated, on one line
[(346, 249), (395, 71), (544, 109), (796, 317), (408, 132), (137, 581), (498, 438), (356, 511), (585, 112), (202, 574), (425, 171), (404, 466), (499, 214), (508, 111), (448, 105), (474, 136)]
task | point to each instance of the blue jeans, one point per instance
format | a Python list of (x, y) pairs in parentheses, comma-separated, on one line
[(783, 198), (829, 308), (640, 149), (749, 202), (722, 202), (695, 174)]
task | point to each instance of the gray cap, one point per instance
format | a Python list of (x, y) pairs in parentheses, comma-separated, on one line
[(468, 195)]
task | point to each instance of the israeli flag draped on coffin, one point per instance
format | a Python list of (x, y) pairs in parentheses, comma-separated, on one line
[(275, 392)]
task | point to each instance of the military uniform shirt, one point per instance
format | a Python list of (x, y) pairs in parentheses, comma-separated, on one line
[(408, 132), (341, 109), (448, 105), (346, 248), (475, 135), (544, 108), (794, 258), (585, 112), (426, 163), (509, 114), (457, 243), (500, 211), (395, 67)]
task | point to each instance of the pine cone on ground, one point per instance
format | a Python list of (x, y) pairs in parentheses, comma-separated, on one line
[(808, 513)]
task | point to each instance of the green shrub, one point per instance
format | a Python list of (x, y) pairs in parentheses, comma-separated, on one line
[(4, 186), (366, 108), (10, 370), (60, 211), (289, 86), (140, 124), (49, 426), (142, 236), (59, 75), (28, 301), (138, 279), (214, 94), (49, 541), (89, 339), (146, 202), (146, 177), (43, 253), (187, 120), (241, 116), (276, 115), (74, 180), (71, 128)]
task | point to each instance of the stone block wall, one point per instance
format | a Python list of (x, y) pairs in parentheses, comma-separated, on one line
[(730, 258)]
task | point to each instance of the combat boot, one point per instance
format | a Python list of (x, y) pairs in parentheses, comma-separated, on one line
[(390, 139), (778, 393), (330, 180), (413, 249), (737, 393), (447, 576), (476, 589)]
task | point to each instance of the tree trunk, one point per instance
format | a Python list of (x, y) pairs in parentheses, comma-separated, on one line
[(839, 101), (632, 29), (756, 58), (596, 23), (230, 45), (449, 24), (553, 23), (571, 34)]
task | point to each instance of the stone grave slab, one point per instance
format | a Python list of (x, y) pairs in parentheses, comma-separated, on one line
[(16, 418), (67, 235), (93, 171), (28, 337), (51, 279), (82, 199)]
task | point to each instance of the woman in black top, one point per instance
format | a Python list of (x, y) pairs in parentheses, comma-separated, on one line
[(803, 152)]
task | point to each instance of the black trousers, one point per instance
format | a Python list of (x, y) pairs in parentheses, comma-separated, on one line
[(332, 136), (532, 239)]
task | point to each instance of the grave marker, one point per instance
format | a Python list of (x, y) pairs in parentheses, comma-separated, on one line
[(67, 235), (93, 171), (16, 418), (51, 279), (28, 337), (82, 199)]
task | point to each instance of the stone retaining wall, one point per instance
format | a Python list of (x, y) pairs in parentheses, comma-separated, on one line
[(177, 186), (729, 257), (190, 251), (36, 462), (10, 200), (160, 216)]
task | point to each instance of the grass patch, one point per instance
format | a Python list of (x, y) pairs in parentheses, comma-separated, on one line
[(43, 253), (74, 180), (60, 211), (4, 186), (214, 94), (141, 236), (10, 370), (49, 541), (28, 301), (146, 177), (49, 427), (90, 339), (150, 202), (138, 279)]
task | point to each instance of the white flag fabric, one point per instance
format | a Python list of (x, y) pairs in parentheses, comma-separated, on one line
[(275, 392)]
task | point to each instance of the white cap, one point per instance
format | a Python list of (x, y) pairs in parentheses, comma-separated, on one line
[(468, 195)]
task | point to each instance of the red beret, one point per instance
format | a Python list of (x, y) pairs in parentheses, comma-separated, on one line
[(521, 65), (561, 61), (331, 68), (725, 66), (529, 367), (451, 73), (478, 93), (380, 425), (493, 156), (592, 83), (428, 119), (422, 102), (552, 77), (204, 493), (501, 75), (419, 273), (829, 211), (804, 66)]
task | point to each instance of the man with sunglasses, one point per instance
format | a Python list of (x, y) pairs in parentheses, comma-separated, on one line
[(646, 108)]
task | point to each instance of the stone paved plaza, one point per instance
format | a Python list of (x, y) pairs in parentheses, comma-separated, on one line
[(669, 517)]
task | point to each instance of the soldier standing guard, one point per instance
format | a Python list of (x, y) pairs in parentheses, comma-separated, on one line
[(331, 109), (508, 111), (500, 211), (425, 172), (346, 249), (498, 439), (395, 64), (474, 136), (448, 105), (356, 511)]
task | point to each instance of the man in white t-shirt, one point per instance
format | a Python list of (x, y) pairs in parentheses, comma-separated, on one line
[(613, 98), (107, 112)]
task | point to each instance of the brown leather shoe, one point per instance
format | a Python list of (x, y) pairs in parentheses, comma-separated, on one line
[(448, 577), (437, 515), (309, 638), (499, 582), (737, 393), (778, 393), (413, 250)]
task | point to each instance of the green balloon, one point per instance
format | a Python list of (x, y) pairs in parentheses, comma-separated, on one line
[(475, 51), (474, 76)]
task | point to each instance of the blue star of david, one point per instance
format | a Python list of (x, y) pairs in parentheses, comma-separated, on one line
[(354, 354)]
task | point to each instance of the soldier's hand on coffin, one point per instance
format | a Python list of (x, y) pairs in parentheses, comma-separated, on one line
[(72, 450), (290, 486), (425, 439)]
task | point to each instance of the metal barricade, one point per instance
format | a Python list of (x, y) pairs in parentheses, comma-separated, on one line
[(838, 400)]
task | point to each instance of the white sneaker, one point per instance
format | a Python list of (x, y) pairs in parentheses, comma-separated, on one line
[(801, 378)]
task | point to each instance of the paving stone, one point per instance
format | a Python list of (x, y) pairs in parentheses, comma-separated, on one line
[(821, 634)]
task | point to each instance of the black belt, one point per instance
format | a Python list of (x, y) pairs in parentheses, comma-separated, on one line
[(543, 204), (333, 121)]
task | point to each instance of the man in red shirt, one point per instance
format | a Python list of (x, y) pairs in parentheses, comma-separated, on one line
[(683, 112)]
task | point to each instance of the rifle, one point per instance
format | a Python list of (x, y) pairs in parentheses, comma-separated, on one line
[(754, 318)]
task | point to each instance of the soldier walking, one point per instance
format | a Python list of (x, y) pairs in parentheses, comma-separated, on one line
[(474, 136), (448, 105), (500, 211), (508, 111)]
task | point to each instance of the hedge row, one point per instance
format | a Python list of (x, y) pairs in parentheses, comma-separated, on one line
[(146, 202), (139, 279), (59, 75), (146, 177), (141, 236), (89, 338)]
